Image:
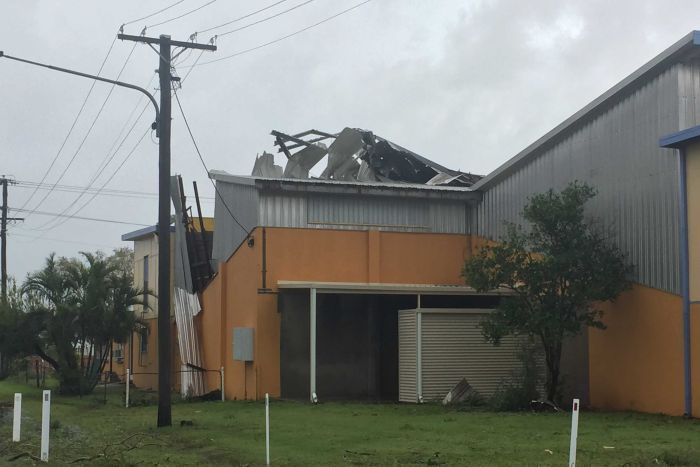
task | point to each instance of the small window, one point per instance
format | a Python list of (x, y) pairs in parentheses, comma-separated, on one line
[(143, 340), (145, 283), (118, 352)]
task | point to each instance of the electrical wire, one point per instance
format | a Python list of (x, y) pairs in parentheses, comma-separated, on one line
[(248, 15), (152, 14), (204, 164), (106, 160), (75, 121), (242, 52), (191, 67), (180, 16), (267, 18), (32, 238), (26, 184), (114, 173), (92, 125), (95, 219)]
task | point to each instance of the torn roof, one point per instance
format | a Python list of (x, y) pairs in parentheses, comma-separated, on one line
[(355, 155)]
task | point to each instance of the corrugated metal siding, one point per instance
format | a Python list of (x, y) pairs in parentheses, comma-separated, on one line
[(242, 201), (359, 213), (689, 94), (254, 207), (454, 348), (408, 391), (618, 153)]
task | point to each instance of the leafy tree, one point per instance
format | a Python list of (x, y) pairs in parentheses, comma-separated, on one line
[(13, 329), (78, 308), (558, 270)]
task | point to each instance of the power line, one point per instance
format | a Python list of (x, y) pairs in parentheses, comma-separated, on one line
[(152, 14), (248, 15), (73, 215), (204, 164), (181, 16), (105, 192), (75, 121), (107, 159), (242, 52), (299, 5), (95, 219), (60, 240), (268, 18), (92, 125)]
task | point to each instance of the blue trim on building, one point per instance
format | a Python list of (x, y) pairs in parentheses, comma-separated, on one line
[(683, 137)]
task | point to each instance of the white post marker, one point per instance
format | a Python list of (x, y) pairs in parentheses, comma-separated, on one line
[(267, 428), (17, 420), (45, 424), (574, 433), (223, 398), (128, 383)]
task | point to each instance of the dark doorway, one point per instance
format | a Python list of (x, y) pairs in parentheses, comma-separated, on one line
[(357, 345)]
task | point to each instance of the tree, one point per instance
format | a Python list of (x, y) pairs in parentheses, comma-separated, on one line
[(13, 329), (78, 308), (558, 270)]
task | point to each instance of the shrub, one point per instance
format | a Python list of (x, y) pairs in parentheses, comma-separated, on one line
[(523, 387)]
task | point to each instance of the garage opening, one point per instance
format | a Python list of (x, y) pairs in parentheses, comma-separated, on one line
[(356, 338)]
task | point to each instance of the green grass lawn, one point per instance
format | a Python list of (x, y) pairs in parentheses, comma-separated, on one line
[(232, 433)]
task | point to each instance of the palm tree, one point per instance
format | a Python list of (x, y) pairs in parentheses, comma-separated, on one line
[(83, 306)]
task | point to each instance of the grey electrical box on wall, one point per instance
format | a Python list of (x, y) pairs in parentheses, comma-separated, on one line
[(243, 344)]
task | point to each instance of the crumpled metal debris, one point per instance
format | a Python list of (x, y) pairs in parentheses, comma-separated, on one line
[(356, 155)]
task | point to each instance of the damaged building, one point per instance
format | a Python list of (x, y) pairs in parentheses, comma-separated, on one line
[(346, 284), (337, 273), (355, 156)]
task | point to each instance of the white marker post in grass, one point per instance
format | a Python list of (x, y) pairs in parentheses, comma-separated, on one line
[(574, 433), (17, 420), (221, 373), (45, 425), (267, 428), (128, 383)]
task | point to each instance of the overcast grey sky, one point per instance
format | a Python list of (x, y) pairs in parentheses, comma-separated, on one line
[(465, 83)]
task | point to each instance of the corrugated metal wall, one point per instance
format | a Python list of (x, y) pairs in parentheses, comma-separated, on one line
[(408, 390), (617, 152), (258, 207), (453, 348), (242, 200)]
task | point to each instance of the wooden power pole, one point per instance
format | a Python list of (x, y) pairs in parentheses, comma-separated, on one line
[(164, 341), (3, 235)]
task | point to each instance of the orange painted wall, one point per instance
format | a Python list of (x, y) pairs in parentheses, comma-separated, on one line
[(364, 256), (637, 362), (144, 363), (695, 357), (308, 255), (208, 325)]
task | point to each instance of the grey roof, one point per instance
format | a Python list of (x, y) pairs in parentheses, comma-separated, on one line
[(684, 48), (142, 233), (348, 187)]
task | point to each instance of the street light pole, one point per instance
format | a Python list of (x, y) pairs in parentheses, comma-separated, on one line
[(96, 78), (162, 127)]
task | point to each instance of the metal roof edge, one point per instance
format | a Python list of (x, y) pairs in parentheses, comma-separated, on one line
[(343, 187), (688, 41), (140, 233), (680, 138)]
